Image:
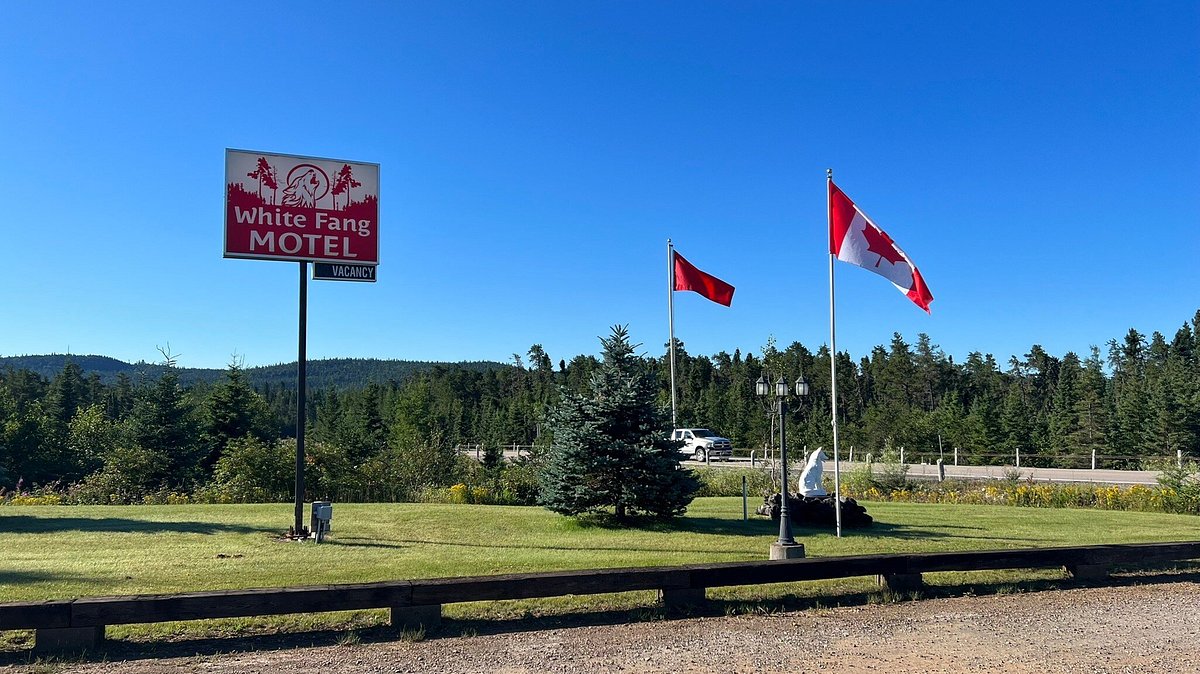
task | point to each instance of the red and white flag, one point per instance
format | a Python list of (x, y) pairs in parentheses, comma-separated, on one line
[(687, 277), (855, 239)]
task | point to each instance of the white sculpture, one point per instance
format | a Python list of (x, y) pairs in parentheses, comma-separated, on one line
[(810, 479)]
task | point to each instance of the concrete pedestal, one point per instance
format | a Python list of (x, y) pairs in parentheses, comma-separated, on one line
[(1088, 571), (682, 597), (900, 582), (416, 617), (67, 639), (793, 551)]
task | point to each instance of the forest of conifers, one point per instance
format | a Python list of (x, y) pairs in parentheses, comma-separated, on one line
[(1134, 401)]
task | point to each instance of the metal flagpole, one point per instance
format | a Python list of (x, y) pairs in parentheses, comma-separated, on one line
[(671, 322), (837, 471)]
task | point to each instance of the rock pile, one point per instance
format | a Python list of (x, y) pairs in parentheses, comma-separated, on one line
[(817, 511)]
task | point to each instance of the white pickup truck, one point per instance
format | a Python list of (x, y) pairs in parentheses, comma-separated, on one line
[(701, 444)]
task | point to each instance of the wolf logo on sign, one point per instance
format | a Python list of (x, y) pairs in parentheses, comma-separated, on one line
[(302, 189)]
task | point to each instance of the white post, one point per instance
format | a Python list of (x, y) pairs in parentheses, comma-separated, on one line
[(837, 478), (1018, 457), (1093, 458), (901, 454), (851, 453), (671, 323)]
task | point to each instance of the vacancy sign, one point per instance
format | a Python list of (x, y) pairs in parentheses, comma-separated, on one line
[(284, 207), (324, 271)]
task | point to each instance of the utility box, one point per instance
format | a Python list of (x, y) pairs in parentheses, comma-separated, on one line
[(320, 522)]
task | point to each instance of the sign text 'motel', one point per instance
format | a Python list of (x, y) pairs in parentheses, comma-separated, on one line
[(325, 271), (284, 207)]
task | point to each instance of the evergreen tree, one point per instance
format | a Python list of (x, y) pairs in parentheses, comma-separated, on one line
[(1063, 419), (1131, 403), (161, 424), (120, 398), (1016, 421), (234, 411), (1092, 410), (66, 395), (611, 446)]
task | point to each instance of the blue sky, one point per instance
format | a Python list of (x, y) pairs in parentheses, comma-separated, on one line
[(1040, 162)]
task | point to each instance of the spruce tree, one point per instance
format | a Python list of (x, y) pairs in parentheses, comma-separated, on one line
[(234, 411), (161, 424), (612, 446)]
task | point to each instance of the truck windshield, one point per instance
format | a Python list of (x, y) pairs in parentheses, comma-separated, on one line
[(702, 433)]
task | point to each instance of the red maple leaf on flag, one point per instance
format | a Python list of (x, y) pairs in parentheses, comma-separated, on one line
[(881, 244)]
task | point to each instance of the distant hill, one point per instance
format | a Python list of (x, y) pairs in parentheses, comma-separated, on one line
[(332, 373)]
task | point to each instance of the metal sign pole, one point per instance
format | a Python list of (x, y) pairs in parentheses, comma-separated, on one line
[(301, 374)]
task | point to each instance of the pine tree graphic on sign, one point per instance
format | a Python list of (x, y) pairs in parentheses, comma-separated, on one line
[(344, 182)]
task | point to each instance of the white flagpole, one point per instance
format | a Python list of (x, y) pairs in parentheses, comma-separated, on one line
[(837, 472), (671, 322)]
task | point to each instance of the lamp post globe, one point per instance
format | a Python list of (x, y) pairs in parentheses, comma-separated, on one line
[(760, 386), (801, 386)]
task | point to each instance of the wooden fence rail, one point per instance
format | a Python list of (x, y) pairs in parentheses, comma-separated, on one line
[(78, 624)]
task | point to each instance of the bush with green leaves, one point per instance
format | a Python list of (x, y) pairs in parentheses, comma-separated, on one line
[(130, 473), (859, 479), (728, 482), (1182, 481), (1137, 497), (890, 474), (252, 471)]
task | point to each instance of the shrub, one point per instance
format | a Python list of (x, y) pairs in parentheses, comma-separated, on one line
[(728, 481), (249, 471), (1044, 495), (128, 475), (891, 475), (859, 479)]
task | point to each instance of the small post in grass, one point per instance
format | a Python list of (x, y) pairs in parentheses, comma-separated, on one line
[(745, 505)]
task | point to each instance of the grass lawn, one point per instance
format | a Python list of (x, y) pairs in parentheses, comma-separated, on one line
[(69, 551)]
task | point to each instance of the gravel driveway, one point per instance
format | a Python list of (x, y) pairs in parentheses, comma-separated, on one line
[(1133, 628)]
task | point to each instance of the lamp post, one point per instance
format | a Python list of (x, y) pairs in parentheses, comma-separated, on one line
[(786, 547)]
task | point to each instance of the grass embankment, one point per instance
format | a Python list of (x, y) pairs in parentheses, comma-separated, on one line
[(70, 551)]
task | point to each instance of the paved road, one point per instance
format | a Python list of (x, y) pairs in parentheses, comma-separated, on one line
[(929, 471)]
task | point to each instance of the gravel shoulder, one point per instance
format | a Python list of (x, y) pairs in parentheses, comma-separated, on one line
[(1132, 628)]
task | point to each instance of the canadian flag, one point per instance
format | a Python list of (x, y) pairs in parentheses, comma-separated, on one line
[(855, 239)]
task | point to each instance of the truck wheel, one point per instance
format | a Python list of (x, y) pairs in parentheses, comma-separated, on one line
[(699, 456)]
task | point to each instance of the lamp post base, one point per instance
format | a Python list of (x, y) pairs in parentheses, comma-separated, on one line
[(782, 551)]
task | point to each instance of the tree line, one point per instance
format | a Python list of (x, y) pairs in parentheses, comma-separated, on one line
[(1138, 399)]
